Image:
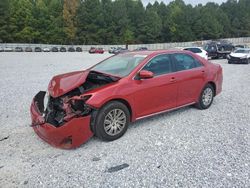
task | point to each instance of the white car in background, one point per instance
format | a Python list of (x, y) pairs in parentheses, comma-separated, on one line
[(199, 51), (8, 49), (241, 55), (46, 49)]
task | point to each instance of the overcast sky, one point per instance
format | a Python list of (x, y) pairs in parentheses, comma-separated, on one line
[(193, 2)]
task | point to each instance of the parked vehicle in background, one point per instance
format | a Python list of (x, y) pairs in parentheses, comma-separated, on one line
[(78, 49), (1, 49), (46, 50), (18, 49), (94, 50), (241, 55), (100, 50), (63, 49), (240, 46), (8, 49), (219, 49), (141, 49), (38, 49), (28, 49), (199, 51), (120, 50), (104, 99), (54, 49), (71, 49), (112, 49)]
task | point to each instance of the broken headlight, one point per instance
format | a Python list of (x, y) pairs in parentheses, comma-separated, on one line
[(46, 100)]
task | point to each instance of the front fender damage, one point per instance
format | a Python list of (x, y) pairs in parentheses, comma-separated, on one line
[(64, 124), (65, 120)]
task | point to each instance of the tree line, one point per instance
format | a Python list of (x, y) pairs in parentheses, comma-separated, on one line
[(120, 21)]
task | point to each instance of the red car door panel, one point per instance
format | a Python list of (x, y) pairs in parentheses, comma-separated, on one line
[(155, 94), (191, 77), (189, 84)]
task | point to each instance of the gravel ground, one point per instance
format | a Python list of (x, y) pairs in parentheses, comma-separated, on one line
[(183, 148)]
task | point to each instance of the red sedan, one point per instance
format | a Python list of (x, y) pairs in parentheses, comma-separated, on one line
[(105, 98), (93, 50)]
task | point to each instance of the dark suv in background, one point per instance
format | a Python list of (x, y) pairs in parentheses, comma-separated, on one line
[(219, 49)]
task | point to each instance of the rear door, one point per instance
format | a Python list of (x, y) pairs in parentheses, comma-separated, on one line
[(190, 74)]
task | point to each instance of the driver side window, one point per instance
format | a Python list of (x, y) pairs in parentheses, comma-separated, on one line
[(159, 65)]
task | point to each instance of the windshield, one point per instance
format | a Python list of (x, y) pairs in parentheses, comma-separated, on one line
[(243, 51), (120, 65), (210, 47)]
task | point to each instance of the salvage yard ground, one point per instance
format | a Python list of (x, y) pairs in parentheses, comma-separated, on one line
[(183, 148)]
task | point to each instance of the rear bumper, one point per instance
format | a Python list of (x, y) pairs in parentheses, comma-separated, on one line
[(70, 135)]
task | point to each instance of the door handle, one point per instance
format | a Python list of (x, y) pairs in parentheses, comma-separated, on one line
[(203, 71), (173, 79)]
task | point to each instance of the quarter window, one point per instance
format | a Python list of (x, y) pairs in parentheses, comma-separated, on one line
[(159, 65), (185, 62)]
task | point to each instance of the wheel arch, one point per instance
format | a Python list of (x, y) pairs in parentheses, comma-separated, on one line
[(213, 85), (125, 102)]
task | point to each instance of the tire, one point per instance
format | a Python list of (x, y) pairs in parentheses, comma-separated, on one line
[(110, 131), (206, 97), (216, 57)]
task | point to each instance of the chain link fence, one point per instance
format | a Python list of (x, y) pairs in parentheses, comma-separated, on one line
[(156, 46)]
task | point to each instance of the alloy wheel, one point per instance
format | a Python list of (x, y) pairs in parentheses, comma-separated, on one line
[(114, 122)]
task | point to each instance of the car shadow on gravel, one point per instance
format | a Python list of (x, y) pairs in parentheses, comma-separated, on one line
[(139, 123)]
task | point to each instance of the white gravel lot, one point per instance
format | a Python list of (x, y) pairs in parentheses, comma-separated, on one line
[(184, 148)]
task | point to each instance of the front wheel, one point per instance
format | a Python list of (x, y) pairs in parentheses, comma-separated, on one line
[(112, 121), (206, 97)]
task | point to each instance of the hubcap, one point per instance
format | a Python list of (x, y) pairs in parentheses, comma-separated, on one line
[(114, 122), (207, 96)]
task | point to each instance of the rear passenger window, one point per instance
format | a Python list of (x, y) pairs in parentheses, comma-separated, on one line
[(159, 65), (185, 62)]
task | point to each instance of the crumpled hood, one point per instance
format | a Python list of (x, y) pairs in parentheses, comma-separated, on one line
[(239, 55), (63, 83)]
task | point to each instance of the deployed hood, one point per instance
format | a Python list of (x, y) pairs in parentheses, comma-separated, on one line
[(239, 55), (63, 83)]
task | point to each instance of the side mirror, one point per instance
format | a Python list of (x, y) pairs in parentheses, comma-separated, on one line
[(144, 74)]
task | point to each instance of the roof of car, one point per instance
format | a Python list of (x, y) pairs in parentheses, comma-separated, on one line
[(153, 52), (192, 47)]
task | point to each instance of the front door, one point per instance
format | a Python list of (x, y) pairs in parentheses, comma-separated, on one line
[(158, 93)]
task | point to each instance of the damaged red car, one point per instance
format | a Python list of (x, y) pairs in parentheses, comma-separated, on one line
[(105, 98)]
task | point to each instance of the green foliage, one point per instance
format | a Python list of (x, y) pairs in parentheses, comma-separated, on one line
[(4, 19), (120, 21)]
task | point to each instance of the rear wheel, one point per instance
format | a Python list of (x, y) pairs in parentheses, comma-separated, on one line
[(112, 121), (206, 97)]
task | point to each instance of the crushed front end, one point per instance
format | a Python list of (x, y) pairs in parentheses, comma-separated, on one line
[(61, 116), (63, 122)]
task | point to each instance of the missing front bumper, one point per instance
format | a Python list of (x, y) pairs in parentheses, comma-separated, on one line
[(70, 135)]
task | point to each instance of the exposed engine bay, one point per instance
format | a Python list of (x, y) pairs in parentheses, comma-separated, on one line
[(59, 110)]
